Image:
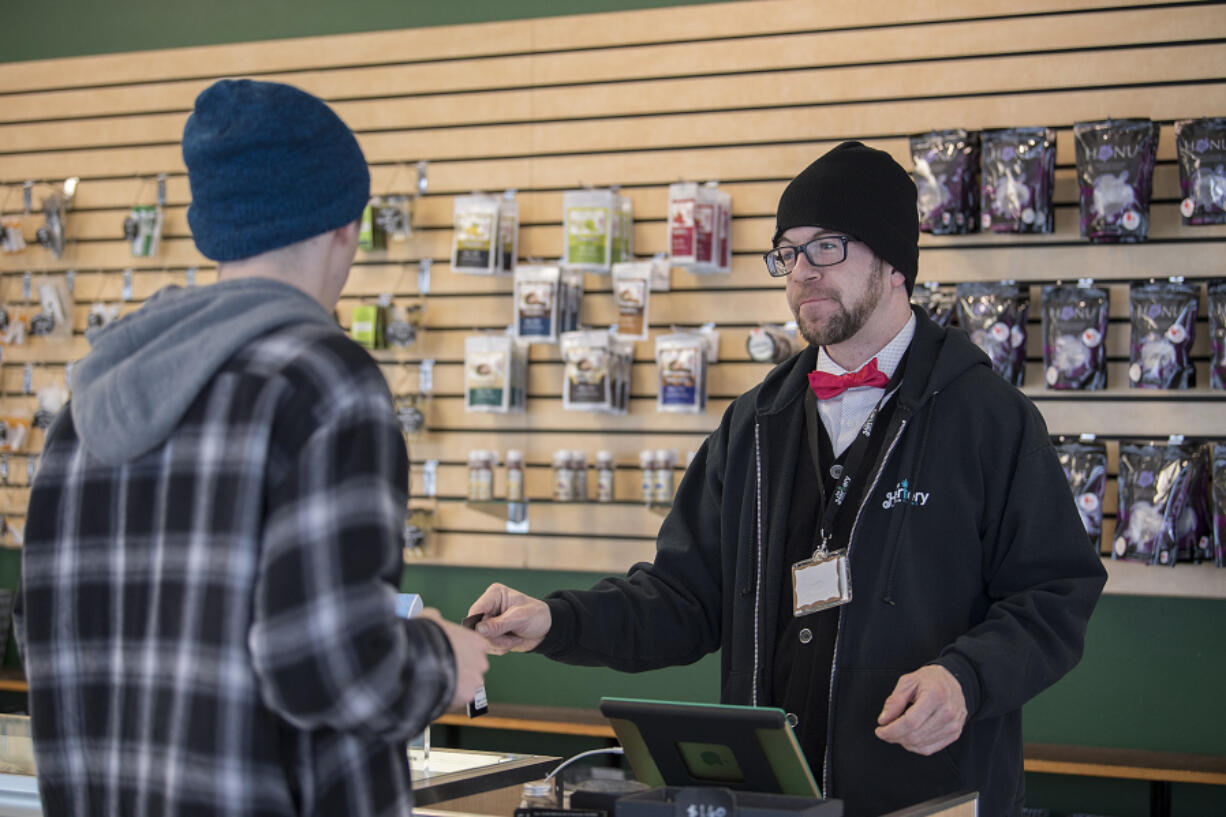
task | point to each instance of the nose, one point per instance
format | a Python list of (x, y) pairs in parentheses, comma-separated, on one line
[(804, 271)]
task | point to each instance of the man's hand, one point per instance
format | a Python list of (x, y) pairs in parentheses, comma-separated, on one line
[(512, 621), (470, 661), (925, 712)]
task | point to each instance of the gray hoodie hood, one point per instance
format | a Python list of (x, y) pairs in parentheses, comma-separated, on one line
[(144, 371)]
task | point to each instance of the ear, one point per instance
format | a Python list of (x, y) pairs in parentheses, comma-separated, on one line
[(897, 279), (347, 233)]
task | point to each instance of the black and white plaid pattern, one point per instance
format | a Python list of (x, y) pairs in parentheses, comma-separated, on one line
[(211, 630)]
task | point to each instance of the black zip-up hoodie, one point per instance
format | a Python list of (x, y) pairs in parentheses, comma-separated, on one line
[(966, 551)]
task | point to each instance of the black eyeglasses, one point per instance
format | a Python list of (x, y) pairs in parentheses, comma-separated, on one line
[(823, 251)]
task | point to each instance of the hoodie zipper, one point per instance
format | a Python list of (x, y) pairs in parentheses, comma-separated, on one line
[(838, 631), (757, 592)]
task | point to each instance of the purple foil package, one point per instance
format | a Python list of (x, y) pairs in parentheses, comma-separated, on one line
[(1218, 466), (1201, 147), (1085, 467), (1074, 336), (937, 301), (1163, 317), (1115, 171), (1217, 334), (1157, 516), (946, 178), (994, 315), (1018, 167)]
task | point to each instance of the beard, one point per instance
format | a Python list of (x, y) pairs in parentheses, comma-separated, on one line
[(845, 321)]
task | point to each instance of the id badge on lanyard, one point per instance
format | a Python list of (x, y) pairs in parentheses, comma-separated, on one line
[(820, 582), (824, 579)]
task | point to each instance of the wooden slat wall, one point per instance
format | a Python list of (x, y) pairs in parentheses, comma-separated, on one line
[(746, 92)]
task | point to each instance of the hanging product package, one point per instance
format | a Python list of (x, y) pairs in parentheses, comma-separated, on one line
[(1074, 336), (1019, 167), (682, 361), (1200, 145), (487, 373), (536, 303), (588, 380), (1163, 317), (587, 229), (1217, 334), (769, 343), (1156, 517), (947, 179), (508, 233), (393, 215), (366, 326), (1218, 466), (939, 303), (143, 230), (994, 314), (1085, 466), (1115, 173), (570, 301), (372, 235), (632, 292), (474, 248), (696, 215), (54, 320)]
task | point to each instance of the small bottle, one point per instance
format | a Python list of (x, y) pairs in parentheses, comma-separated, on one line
[(563, 477), (664, 476), (485, 476), (604, 476), (578, 470), (647, 462), (538, 794), (515, 476)]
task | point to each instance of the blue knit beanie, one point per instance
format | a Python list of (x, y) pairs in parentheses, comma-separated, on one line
[(269, 165)]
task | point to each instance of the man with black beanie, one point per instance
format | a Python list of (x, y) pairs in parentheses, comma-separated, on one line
[(879, 537), (214, 538)]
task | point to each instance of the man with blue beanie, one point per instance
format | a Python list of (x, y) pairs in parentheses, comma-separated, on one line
[(213, 542)]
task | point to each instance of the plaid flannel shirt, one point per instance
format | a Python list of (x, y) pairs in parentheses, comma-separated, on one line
[(210, 629)]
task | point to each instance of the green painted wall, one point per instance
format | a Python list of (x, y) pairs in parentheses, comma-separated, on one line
[(68, 28)]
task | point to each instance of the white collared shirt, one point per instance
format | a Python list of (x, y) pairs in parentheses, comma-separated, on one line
[(843, 416)]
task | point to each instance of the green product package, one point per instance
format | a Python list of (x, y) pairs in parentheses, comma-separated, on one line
[(587, 235), (366, 326)]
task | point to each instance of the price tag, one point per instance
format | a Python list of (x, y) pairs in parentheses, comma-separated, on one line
[(423, 275), (161, 190), (70, 280), (423, 183), (27, 196), (27, 379), (425, 379), (430, 477), (127, 284), (27, 286)]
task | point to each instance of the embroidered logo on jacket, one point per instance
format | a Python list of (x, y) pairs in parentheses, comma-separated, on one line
[(903, 495)]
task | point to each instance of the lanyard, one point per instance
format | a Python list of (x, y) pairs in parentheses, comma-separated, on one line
[(853, 460)]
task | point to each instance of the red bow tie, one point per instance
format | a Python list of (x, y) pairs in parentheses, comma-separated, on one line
[(826, 385)]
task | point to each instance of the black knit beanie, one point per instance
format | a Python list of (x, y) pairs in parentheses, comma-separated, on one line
[(863, 192)]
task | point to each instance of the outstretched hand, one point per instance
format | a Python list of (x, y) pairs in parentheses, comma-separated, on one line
[(925, 712), (512, 621)]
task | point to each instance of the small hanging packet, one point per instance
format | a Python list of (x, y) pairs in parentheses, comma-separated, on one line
[(371, 235), (1218, 453), (474, 247), (1018, 176), (536, 303), (508, 233), (1163, 317), (1155, 513), (723, 217), (366, 326), (57, 306), (401, 324), (938, 302), (1074, 334), (143, 230), (588, 381), (947, 179), (772, 344), (487, 373), (570, 299), (682, 361), (1217, 334), (1115, 170), (12, 240), (1201, 147), (622, 353), (1085, 466), (995, 314), (587, 227), (632, 293), (394, 216)]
